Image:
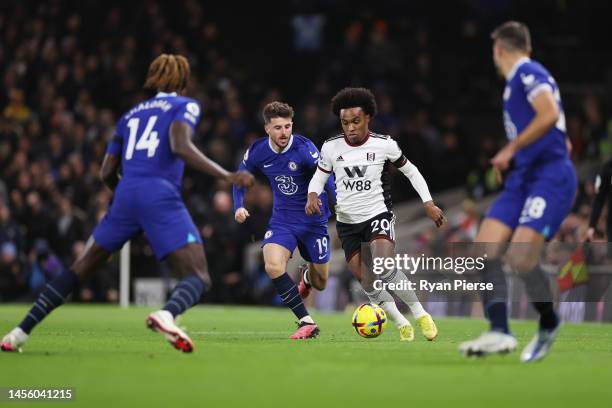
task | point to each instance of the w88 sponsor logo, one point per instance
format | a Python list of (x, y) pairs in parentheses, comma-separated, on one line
[(357, 185)]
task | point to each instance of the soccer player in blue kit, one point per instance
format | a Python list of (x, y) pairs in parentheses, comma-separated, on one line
[(288, 161), (151, 145), (538, 193)]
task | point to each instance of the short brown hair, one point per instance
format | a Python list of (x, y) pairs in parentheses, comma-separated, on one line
[(168, 73), (513, 36), (277, 110)]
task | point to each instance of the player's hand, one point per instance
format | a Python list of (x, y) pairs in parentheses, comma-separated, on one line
[(241, 215), (313, 206), (435, 213), (241, 178), (501, 161)]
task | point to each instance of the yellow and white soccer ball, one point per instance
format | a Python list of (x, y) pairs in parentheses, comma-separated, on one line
[(369, 320)]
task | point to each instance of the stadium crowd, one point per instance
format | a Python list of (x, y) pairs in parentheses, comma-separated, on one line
[(69, 70)]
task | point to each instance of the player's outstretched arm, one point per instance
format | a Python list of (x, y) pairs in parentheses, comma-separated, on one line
[(109, 173), (420, 185), (183, 147), (316, 186)]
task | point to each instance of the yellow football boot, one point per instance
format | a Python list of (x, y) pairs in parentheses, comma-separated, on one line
[(406, 333), (428, 327)]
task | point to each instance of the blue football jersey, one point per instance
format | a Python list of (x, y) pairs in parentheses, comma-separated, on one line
[(289, 173), (142, 137), (523, 85)]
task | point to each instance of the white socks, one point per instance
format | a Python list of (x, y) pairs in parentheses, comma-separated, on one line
[(384, 299), (307, 319), (407, 296), (393, 312)]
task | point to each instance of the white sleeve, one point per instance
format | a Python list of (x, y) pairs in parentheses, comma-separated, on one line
[(417, 180), (325, 162), (317, 183), (394, 153)]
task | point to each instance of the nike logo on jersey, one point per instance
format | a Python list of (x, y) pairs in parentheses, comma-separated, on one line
[(314, 155), (268, 165)]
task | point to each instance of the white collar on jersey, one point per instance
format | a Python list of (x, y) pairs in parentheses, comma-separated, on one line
[(164, 94), (286, 147), (516, 66)]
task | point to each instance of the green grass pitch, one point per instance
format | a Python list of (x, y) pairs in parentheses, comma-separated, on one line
[(243, 358)]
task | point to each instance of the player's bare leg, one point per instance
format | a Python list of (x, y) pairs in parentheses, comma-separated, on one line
[(55, 294), (491, 240), (276, 258), (312, 275), (188, 262)]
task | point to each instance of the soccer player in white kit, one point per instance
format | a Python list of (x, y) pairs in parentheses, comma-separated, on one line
[(360, 161)]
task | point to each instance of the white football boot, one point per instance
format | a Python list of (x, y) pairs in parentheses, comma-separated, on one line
[(14, 340), (163, 322), (540, 345), (491, 342)]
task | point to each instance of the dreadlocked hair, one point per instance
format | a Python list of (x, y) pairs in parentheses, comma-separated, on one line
[(168, 73)]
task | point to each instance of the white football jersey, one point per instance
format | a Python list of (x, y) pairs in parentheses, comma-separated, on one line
[(363, 183)]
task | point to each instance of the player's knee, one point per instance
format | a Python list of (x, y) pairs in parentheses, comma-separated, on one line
[(80, 269), (318, 280), (274, 269), (522, 264)]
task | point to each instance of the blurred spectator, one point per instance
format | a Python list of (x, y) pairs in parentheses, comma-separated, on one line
[(44, 265), (13, 283), (69, 70)]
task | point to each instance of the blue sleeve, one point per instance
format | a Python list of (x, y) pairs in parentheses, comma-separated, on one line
[(189, 113), (116, 142), (247, 163), (534, 82), (312, 156)]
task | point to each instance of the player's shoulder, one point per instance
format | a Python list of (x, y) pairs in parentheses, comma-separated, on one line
[(258, 144), (334, 139), (380, 136), (303, 144), (192, 105), (531, 69), (301, 140)]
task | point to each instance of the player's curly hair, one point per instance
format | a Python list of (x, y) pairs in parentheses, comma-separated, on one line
[(168, 73), (353, 98)]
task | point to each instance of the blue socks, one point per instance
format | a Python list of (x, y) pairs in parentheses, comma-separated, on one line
[(186, 294), (54, 295), (290, 296), (497, 313)]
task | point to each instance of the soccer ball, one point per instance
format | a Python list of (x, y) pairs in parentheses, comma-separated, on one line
[(369, 320)]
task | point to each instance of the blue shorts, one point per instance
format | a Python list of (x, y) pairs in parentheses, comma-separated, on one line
[(151, 205), (539, 197), (312, 240)]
